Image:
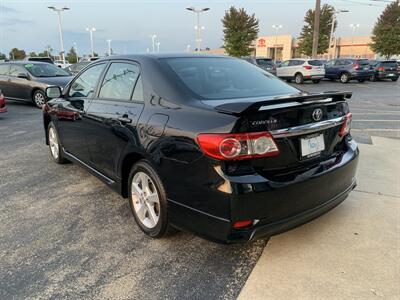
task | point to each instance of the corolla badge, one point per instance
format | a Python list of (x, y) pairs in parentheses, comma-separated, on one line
[(317, 114)]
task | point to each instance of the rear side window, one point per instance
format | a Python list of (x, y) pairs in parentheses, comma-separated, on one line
[(119, 82), (4, 68), (315, 63), (16, 70), (385, 64), (363, 62), (85, 84), (225, 78)]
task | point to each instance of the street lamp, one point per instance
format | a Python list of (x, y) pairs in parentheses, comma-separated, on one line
[(91, 30), (76, 52), (158, 46), (354, 27), (332, 28), (109, 47), (276, 27), (153, 41), (58, 11), (198, 28)]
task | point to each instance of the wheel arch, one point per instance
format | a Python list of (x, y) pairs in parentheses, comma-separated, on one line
[(125, 167), (35, 89)]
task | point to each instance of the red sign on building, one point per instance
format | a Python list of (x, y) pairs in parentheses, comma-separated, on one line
[(261, 43)]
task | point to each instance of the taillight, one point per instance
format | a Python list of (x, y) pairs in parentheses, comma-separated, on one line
[(356, 65), (381, 69), (307, 67), (345, 129), (242, 224), (226, 146)]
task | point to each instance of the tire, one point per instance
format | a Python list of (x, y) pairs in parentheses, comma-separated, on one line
[(54, 144), (39, 98), (395, 79), (360, 79), (372, 78), (316, 80), (148, 200), (344, 78), (298, 78)]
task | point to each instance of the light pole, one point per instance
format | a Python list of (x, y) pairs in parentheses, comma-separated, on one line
[(198, 28), (354, 27), (333, 28), (58, 11), (109, 47), (76, 52), (276, 27), (153, 41), (91, 30), (158, 46)]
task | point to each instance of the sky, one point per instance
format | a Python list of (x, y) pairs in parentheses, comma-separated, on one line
[(30, 25)]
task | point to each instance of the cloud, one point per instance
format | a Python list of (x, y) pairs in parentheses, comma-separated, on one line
[(6, 9), (15, 22)]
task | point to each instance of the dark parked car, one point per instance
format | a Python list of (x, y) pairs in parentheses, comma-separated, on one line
[(76, 68), (27, 81), (385, 69), (40, 59), (210, 144), (3, 107), (266, 64), (346, 69)]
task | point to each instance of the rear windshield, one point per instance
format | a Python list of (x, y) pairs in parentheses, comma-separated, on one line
[(315, 63), (264, 62), (363, 62), (226, 78), (389, 64)]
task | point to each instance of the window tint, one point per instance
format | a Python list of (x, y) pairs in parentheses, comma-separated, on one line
[(15, 70), (119, 81), (4, 68), (85, 84), (138, 93), (315, 63), (226, 78)]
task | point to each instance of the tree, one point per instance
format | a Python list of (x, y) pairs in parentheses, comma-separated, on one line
[(306, 35), (3, 56), (386, 32), (33, 54), (71, 56), (240, 30), (16, 53)]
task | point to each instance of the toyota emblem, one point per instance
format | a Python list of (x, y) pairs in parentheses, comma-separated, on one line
[(317, 114)]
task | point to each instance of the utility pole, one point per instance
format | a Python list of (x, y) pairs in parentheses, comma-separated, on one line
[(316, 28), (91, 30), (198, 28), (332, 30), (109, 47), (153, 42), (58, 11), (276, 27)]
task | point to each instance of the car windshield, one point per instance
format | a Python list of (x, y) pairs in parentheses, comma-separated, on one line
[(264, 62), (45, 70), (226, 78), (389, 64), (315, 63)]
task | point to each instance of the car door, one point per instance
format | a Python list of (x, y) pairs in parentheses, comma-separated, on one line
[(5, 78), (114, 114), (73, 126), (281, 70), (329, 69), (19, 85)]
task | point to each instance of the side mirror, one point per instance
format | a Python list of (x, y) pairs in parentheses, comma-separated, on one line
[(23, 75), (53, 92)]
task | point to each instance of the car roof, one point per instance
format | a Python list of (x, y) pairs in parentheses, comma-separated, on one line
[(24, 62), (156, 56)]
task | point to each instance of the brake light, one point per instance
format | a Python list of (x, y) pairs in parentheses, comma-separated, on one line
[(307, 67), (345, 129), (242, 224), (381, 69), (356, 65), (226, 146)]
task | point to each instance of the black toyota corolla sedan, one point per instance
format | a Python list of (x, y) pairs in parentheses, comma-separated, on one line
[(28, 80), (209, 144)]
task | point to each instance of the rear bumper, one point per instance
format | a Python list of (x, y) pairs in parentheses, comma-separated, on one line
[(387, 75), (273, 206), (361, 75)]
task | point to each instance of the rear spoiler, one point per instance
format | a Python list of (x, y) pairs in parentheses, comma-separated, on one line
[(241, 106)]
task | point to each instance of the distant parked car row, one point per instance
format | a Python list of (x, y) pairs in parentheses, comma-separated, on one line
[(343, 69)]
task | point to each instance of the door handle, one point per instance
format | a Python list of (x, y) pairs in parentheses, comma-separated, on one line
[(125, 120)]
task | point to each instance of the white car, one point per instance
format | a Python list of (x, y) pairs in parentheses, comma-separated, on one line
[(61, 64), (301, 70)]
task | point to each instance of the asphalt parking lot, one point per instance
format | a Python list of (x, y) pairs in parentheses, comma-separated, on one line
[(64, 234)]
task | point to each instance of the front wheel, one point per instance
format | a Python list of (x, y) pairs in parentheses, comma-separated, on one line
[(298, 78), (54, 144), (148, 200), (39, 98), (344, 78), (395, 79)]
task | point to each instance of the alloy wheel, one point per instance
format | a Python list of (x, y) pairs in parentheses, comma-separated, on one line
[(146, 201), (344, 78), (53, 143), (39, 99)]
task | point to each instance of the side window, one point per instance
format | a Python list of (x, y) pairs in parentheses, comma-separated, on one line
[(15, 70), (292, 63), (285, 63), (119, 81), (329, 63), (339, 63), (85, 84), (138, 92), (4, 68)]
